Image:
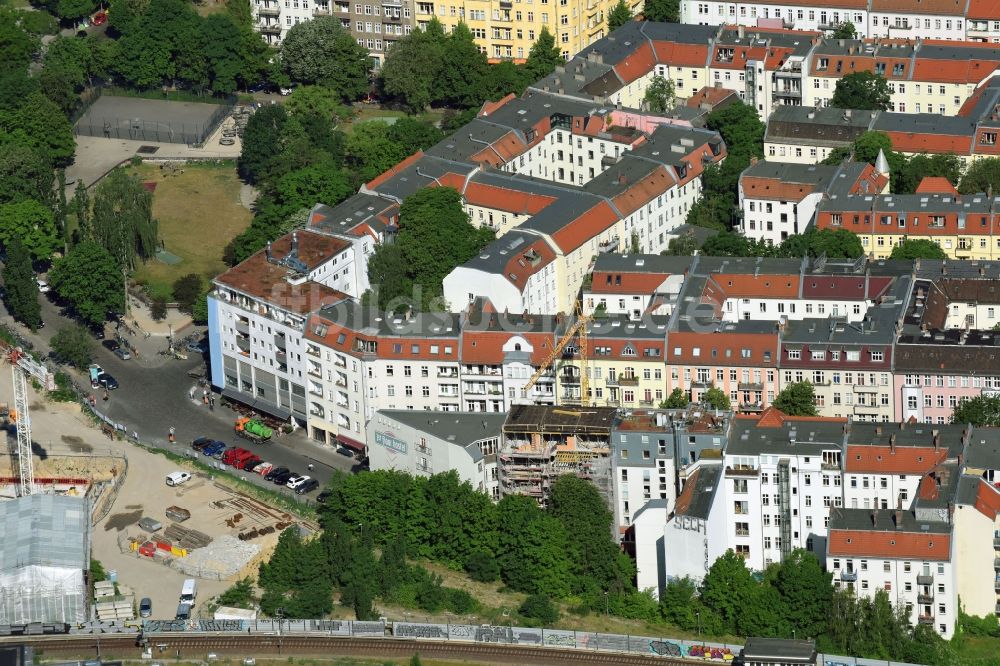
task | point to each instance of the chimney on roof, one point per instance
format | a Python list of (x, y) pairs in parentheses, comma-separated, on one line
[(899, 519), (937, 441), (892, 443), (622, 180), (753, 160), (982, 272), (740, 30), (874, 517), (267, 251)]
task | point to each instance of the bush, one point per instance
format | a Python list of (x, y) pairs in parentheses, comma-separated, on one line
[(97, 572), (187, 290), (64, 388), (74, 345), (539, 607), (158, 311), (39, 23), (482, 567), (239, 595), (431, 597), (460, 602)]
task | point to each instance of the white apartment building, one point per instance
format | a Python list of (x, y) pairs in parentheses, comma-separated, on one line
[(424, 443)]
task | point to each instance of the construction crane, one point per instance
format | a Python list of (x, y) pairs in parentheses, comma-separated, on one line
[(579, 329), (23, 365)]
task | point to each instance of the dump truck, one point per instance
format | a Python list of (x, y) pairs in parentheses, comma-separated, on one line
[(254, 430)]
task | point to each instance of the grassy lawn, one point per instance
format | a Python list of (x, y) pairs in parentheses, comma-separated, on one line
[(199, 212), (373, 112), (977, 650), (206, 7)]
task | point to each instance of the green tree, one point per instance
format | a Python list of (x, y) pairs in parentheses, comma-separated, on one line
[(241, 13), (435, 236), (533, 547), (684, 245), (74, 10), (388, 273), (982, 175), (75, 345), (845, 30), (539, 607), (619, 15), (374, 147), (834, 243), (187, 290), (321, 51), (595, 558), (918, 167), (33, 224), (97, 572), (482, 567), (25, 173), (716, 398), (81, 208), (659, 97), (861, 90), (122, 218), (20, 289), (805, 592), (238, 595), (462, 78), (543, 57), (678, 399), (261, 143), (316, 100), (728, 589), (412, 65), (741, 129), (726, 244), (981, 411), (680, 605), (16, 44), (917, 248), (662, 11), (306, 187), (798, 399), (712, 211), (91, 282), (42, 125)]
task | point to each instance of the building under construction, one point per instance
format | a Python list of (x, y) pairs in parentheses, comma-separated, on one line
[(541, 443)]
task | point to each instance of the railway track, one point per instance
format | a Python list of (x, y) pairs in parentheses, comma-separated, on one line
[(198, 646)]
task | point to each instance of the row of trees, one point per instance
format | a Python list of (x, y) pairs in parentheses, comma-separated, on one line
[(564, 551), (796, 597), (795, 399), (834, 243)]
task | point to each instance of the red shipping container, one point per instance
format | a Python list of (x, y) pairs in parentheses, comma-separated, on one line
[(163, 545), (147, 549)]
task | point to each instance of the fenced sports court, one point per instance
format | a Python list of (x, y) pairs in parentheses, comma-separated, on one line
[(158, 121)]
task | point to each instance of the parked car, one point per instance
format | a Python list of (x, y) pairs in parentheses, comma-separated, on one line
[(177, 478), (122, 353), (197, 346), (214, 449), (307, 487), (296, 482), (282, 479), (145, 607), (323, 497), (344, 451), (111, 345), (107, 381), (227, 141), (275, 472), (200, 443), (43, 286)]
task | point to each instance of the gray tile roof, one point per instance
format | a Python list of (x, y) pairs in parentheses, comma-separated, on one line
[(460, 428)]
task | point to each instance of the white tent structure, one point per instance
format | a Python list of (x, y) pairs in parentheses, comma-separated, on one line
[(44, 552)]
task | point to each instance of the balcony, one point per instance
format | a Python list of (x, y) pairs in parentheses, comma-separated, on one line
[(447, 373), (270, 29), (628, 380), (742, 471), (281, 356), (269, 10), (314, 371), (996, 563), (312, 351), (788, 92), (243, 344), (925, 598), (610, 245), (569, 378), (243, 326), (745, 386), (613, 403), (849, 576), (322, 11), (925, 619), (280, 341), (925, 579), (392, 3), (751, 407), (996, 542)]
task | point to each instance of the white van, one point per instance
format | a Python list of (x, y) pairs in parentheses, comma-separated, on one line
[(189, 591), (177, 478)]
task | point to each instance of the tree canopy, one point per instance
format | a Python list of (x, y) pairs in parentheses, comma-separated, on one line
[(861, 90), (619, 15), (678, 399), (716, 398), (845, 30), (662, 11), (543, 57), (982, 175), (834, 243), (659, 95), (90, 280), (798, 399), (435, 236), (20, 288), (33, 223), (917, 248), (981, 411), (122, 218), (320, 51)]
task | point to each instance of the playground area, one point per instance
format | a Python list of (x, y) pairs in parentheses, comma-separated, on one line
[(158, 121)]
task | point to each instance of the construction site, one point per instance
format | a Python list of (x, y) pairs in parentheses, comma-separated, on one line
[(541, 443), (73, 495)]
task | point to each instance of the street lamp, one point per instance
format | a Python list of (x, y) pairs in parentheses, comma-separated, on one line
[(697, 614), (607, 607)]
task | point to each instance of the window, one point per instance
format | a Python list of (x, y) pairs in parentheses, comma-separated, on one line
[(877, 356)]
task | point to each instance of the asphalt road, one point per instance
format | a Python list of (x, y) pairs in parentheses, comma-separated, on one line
[(154, 395)]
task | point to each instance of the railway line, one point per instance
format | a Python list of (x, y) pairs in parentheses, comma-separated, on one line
[(198, 646)]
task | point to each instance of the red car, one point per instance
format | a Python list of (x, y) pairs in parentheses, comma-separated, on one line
[(100, 18)]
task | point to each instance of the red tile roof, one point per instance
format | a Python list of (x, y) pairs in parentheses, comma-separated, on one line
[(681, 55), (944, 7), (955, 71), (889, 544), (510, 200), (643, 191), (912, 142), (745, 285), (987, 500), (910, 460), (637, 64), (710, 95), (486, 347), (527, 262), (772, 417), (599, 218), (936, 185), (772, 188), (631, 283), (983, 9)]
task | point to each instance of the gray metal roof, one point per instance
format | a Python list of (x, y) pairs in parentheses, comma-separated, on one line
[(884, 521), (792, 438), (703, 493), (357, 209), (780, 650), (641, 263), (44, 530), (460, 428)]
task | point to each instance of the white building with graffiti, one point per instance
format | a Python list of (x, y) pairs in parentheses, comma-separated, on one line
[(424, 443)]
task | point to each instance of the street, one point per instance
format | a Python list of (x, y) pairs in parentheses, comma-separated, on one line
[(154, 396)]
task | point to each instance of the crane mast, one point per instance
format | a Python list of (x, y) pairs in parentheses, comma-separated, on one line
[(578, 329), (23, 365)]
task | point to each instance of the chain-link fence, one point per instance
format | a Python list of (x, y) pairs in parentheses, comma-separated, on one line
[(156, 121)]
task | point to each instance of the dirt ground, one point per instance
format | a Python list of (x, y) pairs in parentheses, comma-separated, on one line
[(67, 444)]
